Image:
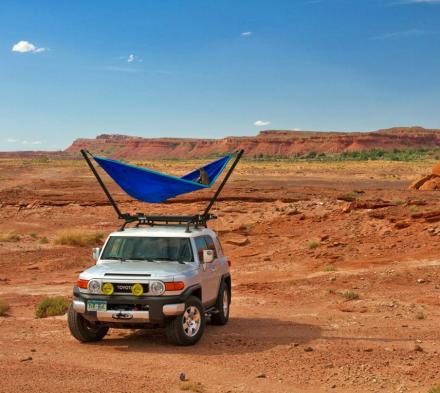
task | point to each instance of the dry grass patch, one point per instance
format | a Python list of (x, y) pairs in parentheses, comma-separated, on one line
[(190, 386), (79, 238), (4, 307), (350, 295), (435, 389), (52, 306), (9, 237), (313, 244)]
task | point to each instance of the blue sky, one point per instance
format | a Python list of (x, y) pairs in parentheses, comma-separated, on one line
[(208, 68)]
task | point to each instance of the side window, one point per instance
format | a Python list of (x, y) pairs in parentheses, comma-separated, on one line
[(211, 245), (200, 245)]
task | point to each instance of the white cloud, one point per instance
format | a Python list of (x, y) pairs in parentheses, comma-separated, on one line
[(11, 140), (133, 58), (297, 129), (246, 33), (25, 47), (25, 142), (261, 123)]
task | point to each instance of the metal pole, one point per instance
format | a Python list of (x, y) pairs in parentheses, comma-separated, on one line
[(101, 183), (219, 189)]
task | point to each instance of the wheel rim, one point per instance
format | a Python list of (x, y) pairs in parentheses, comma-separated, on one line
[(225, 303), (191, 321)]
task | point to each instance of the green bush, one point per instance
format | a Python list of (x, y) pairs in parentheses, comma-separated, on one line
[(52, 306), (44, 240)]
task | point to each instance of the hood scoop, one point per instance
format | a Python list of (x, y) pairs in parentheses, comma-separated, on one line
[(127, 274)]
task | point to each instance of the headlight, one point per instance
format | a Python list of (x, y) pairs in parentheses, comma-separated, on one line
[(157, 288), (94, 286)]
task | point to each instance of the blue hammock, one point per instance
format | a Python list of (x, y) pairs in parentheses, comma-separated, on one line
[(154, 187)]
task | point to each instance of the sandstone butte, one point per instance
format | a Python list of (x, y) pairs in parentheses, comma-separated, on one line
[(266, 143)]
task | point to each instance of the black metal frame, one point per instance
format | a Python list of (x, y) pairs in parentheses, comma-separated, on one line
[(142, 219)]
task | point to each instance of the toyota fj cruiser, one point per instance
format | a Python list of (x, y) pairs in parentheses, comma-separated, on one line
[(171, 276)]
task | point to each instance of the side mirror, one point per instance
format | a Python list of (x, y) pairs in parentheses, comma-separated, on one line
[(208, 256), (95, 253)]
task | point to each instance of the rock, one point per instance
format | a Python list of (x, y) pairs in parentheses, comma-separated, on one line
[(401, 224), (238, 240), (418, 348), (419, 183), (182, 377), (436, 169), (421, 281), (26, 359), (261, 376), (431, 185), (308, 349)]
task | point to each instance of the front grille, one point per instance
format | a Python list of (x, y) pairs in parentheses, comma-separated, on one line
[(126, 287)]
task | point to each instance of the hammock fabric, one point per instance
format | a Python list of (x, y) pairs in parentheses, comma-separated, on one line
[(154, 187)]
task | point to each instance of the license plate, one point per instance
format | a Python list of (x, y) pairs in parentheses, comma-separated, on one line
[(96, 305)]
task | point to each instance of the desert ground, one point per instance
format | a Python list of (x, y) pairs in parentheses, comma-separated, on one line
[(336, 282)]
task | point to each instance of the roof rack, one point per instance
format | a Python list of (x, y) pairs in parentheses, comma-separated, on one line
[(143, 219)]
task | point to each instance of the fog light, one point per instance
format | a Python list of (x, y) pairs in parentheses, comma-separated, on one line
[(157, 288), (94, 286), (137, 289), (108, 288)]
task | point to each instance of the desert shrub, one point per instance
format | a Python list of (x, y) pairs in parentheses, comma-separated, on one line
[(313, 244), (398, 201), (330, 268), (420, 315), (78, 238), (4, 307), (413, 209), (33, 235), (9, 237), (196, 387), (44, 240), (52, 306), (350, 295)]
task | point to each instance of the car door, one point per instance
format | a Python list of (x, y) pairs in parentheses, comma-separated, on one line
[(208, 276)]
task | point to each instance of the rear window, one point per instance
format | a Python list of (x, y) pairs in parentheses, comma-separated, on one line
[(148, 249)]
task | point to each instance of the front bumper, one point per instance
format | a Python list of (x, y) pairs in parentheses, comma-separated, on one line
[(150, 309)]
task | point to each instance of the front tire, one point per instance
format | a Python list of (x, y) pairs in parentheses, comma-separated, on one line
[(221, 317), (82, 329), (188, 328)]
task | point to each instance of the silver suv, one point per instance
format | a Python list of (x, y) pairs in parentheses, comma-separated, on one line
[(164, 276)]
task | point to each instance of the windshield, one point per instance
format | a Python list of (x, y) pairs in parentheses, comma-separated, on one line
[(148, 249)]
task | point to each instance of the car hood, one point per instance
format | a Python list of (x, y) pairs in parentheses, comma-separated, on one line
[(154, 269)]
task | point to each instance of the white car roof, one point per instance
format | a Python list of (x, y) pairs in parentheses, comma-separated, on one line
[(164, 231)]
